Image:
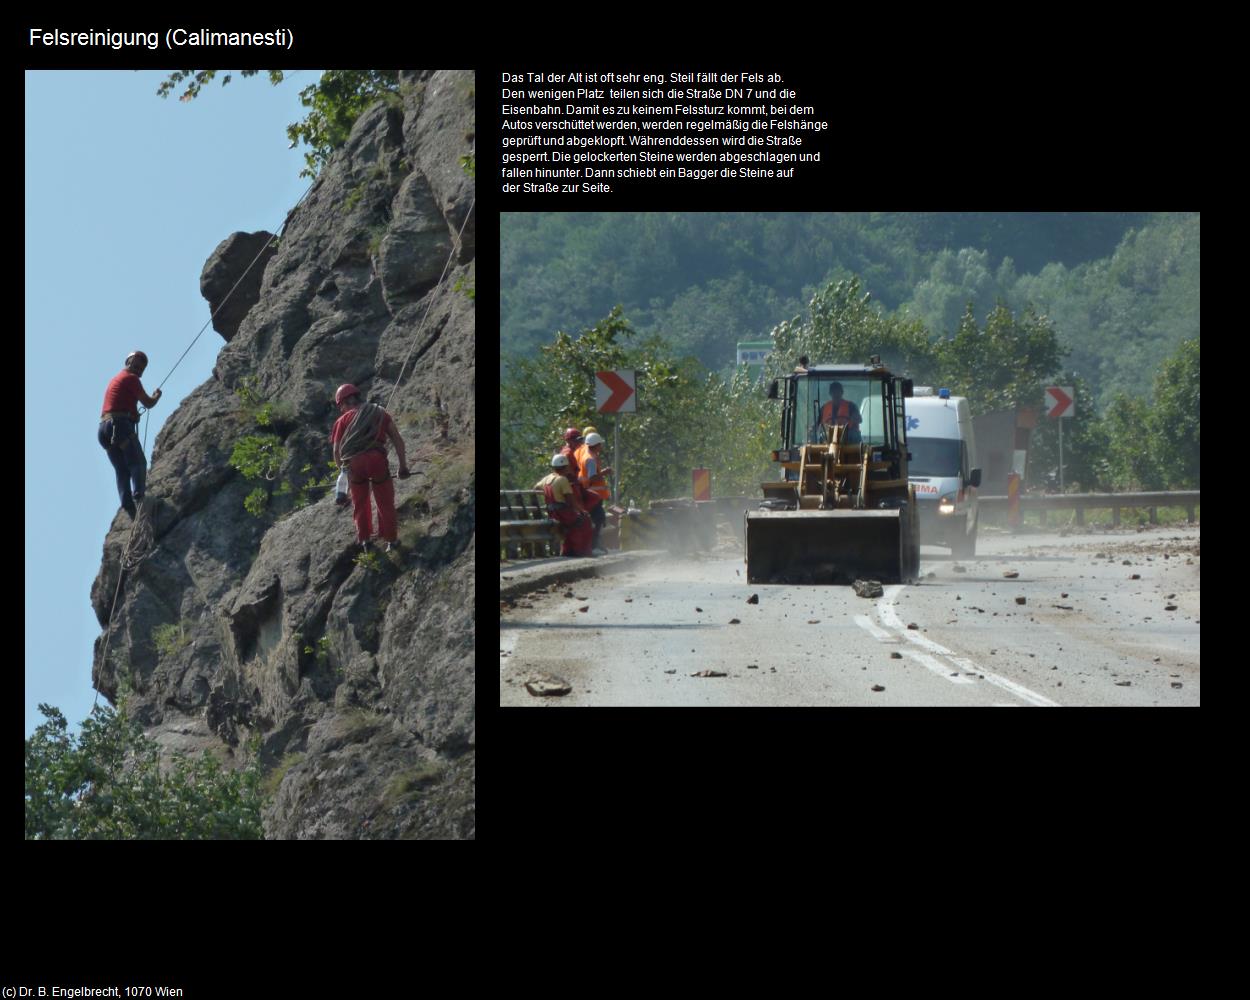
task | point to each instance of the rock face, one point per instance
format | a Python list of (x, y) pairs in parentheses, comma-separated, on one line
[(356, 676), (231, 278)]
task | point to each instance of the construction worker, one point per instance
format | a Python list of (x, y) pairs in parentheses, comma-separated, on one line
[(839, 412), (592, 475), (119, 422), (359, 440), (564, 506), (572, 441)]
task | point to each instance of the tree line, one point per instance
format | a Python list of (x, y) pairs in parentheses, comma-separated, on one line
[(689, 417), (1121, 288)]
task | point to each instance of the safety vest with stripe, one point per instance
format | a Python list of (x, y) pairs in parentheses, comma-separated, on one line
[(596, 484)]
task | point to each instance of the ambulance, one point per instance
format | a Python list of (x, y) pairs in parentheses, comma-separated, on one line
[(943, 469)]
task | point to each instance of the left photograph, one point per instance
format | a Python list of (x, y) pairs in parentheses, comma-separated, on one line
[(249, 556)]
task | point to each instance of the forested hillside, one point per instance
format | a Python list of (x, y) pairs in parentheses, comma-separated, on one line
[(1121, 289)]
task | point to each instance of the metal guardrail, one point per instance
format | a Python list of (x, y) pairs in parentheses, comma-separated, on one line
[(525, 531), (1040, 502), (1115, 502)]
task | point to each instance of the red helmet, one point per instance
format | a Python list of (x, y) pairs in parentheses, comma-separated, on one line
[(572, 434), (137, 356), (346, 391)]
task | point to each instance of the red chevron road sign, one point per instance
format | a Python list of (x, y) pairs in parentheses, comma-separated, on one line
[(1059, 401), (614, 391)]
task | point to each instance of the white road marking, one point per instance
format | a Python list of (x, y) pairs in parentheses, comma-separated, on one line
[(931, 662), (943, 670), (885, 608), (869, 626)]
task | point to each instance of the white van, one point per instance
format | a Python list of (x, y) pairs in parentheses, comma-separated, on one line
[(943, 469)]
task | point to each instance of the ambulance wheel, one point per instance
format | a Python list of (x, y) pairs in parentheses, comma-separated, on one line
[(964, 545)]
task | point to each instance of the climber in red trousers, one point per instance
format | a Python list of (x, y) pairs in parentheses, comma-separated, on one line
[(359, 439)]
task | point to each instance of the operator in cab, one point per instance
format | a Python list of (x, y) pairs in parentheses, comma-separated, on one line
[(838, 412)]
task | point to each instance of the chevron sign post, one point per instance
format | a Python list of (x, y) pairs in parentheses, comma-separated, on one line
[(614, 393), (1060, 405)]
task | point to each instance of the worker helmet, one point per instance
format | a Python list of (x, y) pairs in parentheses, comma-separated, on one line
[(593, 439), (559, 461), (137, 356), (572, 434), (346, 391), (588, 430)]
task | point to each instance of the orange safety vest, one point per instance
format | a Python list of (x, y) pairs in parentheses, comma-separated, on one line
[(844, 413), (596, 484)]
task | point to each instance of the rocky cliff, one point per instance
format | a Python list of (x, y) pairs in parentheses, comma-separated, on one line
[(356, 674)]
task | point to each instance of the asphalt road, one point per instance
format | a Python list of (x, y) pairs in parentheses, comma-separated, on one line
[(1087, 634)]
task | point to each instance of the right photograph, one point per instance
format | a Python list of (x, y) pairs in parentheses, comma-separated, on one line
[(850, 459)]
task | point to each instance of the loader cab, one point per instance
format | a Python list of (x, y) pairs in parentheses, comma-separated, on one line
[(874, 411)]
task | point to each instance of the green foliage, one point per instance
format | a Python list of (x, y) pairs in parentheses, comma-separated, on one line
[(685, 418), (257, 502), (1176, 416), (334, 103), (269, 787), (407, 784), (467, 290), (376, 235), (1155, 444), (1120, 290), (469, 165), (354, 196), (169, 639), (1002, 365), (257, 456), (844, 326), (107, 784), (368, 561), (255, 409), (321, 651)]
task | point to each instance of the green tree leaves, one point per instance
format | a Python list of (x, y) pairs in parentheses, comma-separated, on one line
[(107, 784), (1156, 444), (334, 103), (685, 418)]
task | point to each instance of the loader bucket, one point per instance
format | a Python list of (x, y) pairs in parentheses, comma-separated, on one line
[(831, 546)]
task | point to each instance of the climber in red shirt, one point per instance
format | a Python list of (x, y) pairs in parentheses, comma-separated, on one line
[(359, 439), (119, 421)]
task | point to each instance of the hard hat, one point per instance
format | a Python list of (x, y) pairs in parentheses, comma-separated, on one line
[(346, 391), (137, 356), (588, 430), (559, 461), (572, 434), (593, 439)]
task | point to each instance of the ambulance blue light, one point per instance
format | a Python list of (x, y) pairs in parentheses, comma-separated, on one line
[(944, 394)]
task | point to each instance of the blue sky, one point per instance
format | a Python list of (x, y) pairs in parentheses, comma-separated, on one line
[(127, 194)]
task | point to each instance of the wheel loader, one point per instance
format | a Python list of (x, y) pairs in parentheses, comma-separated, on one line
[(842, 508)]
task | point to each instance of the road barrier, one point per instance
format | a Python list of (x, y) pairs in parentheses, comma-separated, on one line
[(525, 530), (1115, 502)]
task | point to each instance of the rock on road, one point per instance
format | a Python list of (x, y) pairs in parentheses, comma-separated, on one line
[(1087, 633)]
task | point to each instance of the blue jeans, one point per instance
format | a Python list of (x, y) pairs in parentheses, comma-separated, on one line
[(118, 438)]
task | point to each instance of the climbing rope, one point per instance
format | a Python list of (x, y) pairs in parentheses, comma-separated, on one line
[(136, 528), (416, 339), (141, 528), (417, 336)]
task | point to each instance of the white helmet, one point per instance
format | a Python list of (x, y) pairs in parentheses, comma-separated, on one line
[(593, 439), (559, 461)]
